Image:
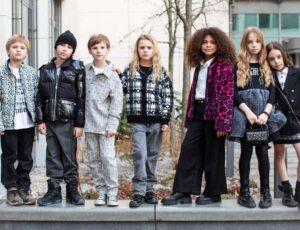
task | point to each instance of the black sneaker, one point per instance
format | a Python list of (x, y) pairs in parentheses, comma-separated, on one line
[(72, 194), (150, 198), (265, 198), (53, 195), (245, 199), (136, 201), (204, 200)]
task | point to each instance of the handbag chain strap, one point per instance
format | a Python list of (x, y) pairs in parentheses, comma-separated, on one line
[(288, 104)]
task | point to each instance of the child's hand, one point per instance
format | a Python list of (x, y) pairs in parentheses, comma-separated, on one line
[(262, 119), (2, 133), (117, 69), (42, 129), (251, 117), (221, 134), (109, 133), (77, 132), (164, 128)]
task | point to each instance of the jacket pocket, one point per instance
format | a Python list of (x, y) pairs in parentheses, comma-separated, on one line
[(66, 110)]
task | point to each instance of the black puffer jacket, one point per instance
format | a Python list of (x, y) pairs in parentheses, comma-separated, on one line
[(61, 98)]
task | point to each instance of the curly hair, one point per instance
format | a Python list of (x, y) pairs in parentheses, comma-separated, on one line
[(287, 60), (225, 48), (243, 74)]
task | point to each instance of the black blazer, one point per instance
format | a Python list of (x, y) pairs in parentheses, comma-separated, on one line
[(291, 91)]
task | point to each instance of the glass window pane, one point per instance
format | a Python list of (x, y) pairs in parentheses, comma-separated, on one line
[(264, 20), (290, 21), (250, 20)]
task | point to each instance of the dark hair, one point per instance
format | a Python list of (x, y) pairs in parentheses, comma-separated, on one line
[(225, 48), (287, 60)]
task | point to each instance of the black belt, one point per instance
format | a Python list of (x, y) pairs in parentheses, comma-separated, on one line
[(200, 101)]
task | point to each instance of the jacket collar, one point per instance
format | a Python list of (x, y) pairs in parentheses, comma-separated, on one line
[(66, 63), (106, 72), (8, 68)]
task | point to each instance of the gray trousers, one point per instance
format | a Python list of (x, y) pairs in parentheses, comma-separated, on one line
[(146, 144), (103, 163), (61, 152)]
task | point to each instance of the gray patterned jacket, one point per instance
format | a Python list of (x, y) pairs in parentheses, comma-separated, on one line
[(29, 78), (104, 100)]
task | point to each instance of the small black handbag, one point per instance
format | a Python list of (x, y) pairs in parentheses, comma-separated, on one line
[(257, 135)]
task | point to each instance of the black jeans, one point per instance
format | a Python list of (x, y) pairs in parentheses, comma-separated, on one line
[(17, 146), (263, 163), (202, 152), (61, 152)]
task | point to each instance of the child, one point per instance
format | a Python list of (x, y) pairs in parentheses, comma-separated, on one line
[(208, 119), (18, 86), (149, 102), (254, 99), (287, 80), (103, 107), (60, 115)]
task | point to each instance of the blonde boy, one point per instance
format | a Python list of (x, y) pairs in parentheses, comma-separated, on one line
[(103, 107), (18, 88)]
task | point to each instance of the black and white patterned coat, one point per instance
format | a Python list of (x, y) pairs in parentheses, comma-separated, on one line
[(147, 102)]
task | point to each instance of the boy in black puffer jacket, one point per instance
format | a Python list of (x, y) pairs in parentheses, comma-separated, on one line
[(60, 116)]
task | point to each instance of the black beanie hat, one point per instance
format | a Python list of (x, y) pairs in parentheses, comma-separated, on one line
[(68, 38)]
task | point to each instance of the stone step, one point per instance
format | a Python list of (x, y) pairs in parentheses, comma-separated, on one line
[(225, 215)]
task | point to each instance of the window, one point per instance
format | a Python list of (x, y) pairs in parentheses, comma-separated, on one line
[(289, 21), (250, 20), (54, 22), (24, 21)]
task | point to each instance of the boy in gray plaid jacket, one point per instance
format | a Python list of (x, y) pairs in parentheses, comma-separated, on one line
[(103, 108)]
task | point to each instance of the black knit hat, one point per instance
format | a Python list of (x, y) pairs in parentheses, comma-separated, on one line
[(68, 38)]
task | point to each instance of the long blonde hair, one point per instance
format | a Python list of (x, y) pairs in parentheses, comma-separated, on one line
[(243, 74), (156, 63)]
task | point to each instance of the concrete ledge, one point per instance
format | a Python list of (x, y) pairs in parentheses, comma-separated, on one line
[(227, 215)]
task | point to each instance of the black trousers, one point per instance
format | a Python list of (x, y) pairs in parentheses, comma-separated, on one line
[(17, 146), (263, 163), (61, 152), (202, 152)]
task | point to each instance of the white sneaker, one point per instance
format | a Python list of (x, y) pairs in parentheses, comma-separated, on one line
[(101, 200), (112, 201)]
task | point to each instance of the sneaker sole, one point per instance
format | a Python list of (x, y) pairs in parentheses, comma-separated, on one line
[(265, 206), (74, 203), (47, 204), (112, 205), (14, 204), (185, 200), (29, 203)]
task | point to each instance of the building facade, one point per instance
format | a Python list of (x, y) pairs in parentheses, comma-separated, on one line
[(278, 19)]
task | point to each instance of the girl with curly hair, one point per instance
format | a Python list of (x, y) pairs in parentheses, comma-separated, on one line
[(208, 119), (254, 99)]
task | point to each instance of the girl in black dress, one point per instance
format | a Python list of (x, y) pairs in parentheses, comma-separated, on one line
[(287, 79)]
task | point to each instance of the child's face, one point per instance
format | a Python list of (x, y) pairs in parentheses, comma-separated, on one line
[(276, 60), (17, 52), (99, 51), (209, 47), (253, 44), (64, 51), (145, 50)]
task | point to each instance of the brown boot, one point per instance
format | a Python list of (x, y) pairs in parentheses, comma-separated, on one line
[(13, 197), (26, 197)]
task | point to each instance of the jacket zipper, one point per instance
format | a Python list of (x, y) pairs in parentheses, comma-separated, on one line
[(55, 95)]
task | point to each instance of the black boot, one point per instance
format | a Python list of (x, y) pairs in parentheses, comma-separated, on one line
[(53, 195), (297, 193), (265, 197), (73, 196), (150, 198), (245, 199), (177, 198), (288, 198)]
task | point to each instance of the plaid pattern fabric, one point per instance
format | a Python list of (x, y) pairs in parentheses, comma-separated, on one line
[(159, 95)]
